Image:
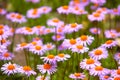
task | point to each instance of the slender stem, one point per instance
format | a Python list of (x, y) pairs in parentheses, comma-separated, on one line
[(56, 42)]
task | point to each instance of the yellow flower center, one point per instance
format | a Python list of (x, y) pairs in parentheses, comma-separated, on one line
[(38, 47), (79, 47), (72, 41), (118, 71), (96, 15), (90, 61), (6, 54), (65, 7), (77, 74), (117, 78), (55, 20), (47, 66), (73, 25), (23, 44), (18, 16), (109, 41), (34, 43), (98, 68), (83, 37), (98, 52), (11, 67), (61, 55), (35, 11), (51, 56), (1, 32), (27, 68)]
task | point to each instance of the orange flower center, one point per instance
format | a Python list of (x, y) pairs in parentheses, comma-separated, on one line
[(1, 26), (72, 41), (77, 74), (79, 46), (115, 10), (96, 15), (95, 30), (55, 20), (118, 71), (18, 16), (23, 44), (6, 54), (44, 9), (58, 36), (98, 52), (73, 25), (34, 43), (83, 37), (49, 46), (65, 7), (59, 30), (0, 10), (81, 11), (90, 61), (109, 41), (117, 78), (1, 32), (106, 77), (38, 26), (104, 9), (51, 56), (99, 11), (11, 67), (35, 11), (84, 0), (76, 8), (47, 66), (28, 29), (61, 55), (3, 41), (27, 68), (38, 47), (98, 68)]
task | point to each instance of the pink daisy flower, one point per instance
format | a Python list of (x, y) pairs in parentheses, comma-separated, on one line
[(112, 33), (64, 9), (77, 76), (99, 70), (4, 34), (2, 11), (38, 28), (22, 46), (45, 9), (95, 30), (74, 27), (49, 59), (37, 49), (115, 11), (89, 63), (34, 43), (27, 71), (79, 48), (6, 56), (16, 17), (48, 30), (68, 43), (78, 11), (98, 53), (9, 68), (85, 40), (5, 42), (33, 13), (105, 77), (58, 37), (109, 44), (49, 46), (62, 57), (96, 17), (49, 68), (54, 22)]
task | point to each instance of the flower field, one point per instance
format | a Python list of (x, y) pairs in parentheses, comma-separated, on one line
[(59, 40)]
